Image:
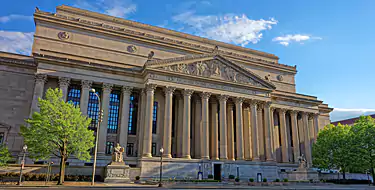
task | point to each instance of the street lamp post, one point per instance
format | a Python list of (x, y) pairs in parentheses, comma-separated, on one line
[(161, 166), (96, 137), (22, 163)]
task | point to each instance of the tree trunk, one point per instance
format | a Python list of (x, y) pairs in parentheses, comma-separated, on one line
[(62, 170), (373, 176), (343, 175)]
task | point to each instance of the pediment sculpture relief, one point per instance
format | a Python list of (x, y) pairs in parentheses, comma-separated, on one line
[(212, 69)]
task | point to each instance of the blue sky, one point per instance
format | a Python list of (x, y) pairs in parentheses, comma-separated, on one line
[(331, 42)]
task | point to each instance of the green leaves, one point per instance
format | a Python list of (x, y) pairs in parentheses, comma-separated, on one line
[(4, 155), (59, 128)]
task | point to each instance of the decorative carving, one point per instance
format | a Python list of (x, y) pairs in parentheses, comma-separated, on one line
[(282, 111), (223, 98), (127, 89), (212, 69), (63, 35), (280, 77), (150, 55), (151, 88), (311, 116), (131, 49), (293, 113), (302, 163), (239, 100), (188, 92), (42, 78), (86, 84), (117, 153), (169, 90), (64, 82), (267, 104), (268, 77), (216, 50), (205, 95), (107, 87), (260, 106)]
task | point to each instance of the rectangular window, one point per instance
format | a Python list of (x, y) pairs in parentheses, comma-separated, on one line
[(1, 138), (129, 149), (113, 113), (133, 110), (93, 108), (153, 150), (154, 117), (74, 94), (109, 147)]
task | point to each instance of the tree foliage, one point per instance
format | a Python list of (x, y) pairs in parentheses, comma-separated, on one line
[(4, 155), (59, 129)]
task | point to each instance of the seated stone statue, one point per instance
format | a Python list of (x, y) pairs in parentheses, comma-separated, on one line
[(302, 161), (117, 152)]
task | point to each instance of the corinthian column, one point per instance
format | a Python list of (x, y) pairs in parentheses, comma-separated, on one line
[(104, 124), (147, 130), (239, 128), (230, 132), (85, 94), (246, 130), (307, 137), (223, 127), (205, 125), (64, 85), (140, 132), (186, 125), (197, 128), (267, 131), (316, 126), (283, 135), (214, 136), (254, 130), (123, 137), (260, 132), (294, 124), (40, 80), (167, 137)]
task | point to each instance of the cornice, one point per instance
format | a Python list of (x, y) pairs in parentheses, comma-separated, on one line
[(294, 97), (15, 59), (143, 35)]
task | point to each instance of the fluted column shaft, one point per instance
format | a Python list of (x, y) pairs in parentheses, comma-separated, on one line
[(214, 136), (283, 135), (147, 130), (186, 125), (294, 124), (267, 131), (316, 126), (254, 130), (197, 128), (107, 88), (205, 125), (306, 134), (273, 135), (123, 137), (230, 131), (180, 109), (309, 133), (40, 80), (64, 85), (223, 127), (247, 134), (167, 137), (85, 95), (140, 132), (239, 128), (260, 132)]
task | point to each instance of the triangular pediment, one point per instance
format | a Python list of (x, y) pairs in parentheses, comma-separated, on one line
[(210, 66)]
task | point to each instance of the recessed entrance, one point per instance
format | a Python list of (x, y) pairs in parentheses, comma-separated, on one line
[(217, 171)]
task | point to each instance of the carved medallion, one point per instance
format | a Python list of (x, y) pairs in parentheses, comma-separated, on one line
[(280, 77), (131, 49), (63, 35)]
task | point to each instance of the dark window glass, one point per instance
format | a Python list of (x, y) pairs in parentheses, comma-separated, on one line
[(133, 110), (154, 117), (153, 150), (93, 108), (113, 113), (109, 147), (130, 149), (74, 94), (1, 138)]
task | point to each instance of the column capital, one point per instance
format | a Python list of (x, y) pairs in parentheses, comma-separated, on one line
[(150, 87), (169, 90), (293, 112), (223, 98), (311, 116), (253, 103), (239, 100), (40, 78), (64, 81), (273, 109), (86, 84), (267, 104), (259, 106), (188, 92), (107, 87), (304, 113), (282, 111), (205, 95), (127, 89)]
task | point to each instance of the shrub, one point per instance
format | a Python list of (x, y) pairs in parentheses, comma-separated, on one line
[(264, 179), (137, 178), (231, 176), (210, 176), (237, 179), (285, 180), (277, 180), (251, 180)]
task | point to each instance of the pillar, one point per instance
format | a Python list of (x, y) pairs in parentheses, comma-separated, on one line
[(214, 135), (267, 131), (273, 135), (230, 130), (239, 128), (180, 110), (305, 121), (186, 124), (167, 137), (309, 134), (223, 127), (40, 80), (140, 130), (260, 132), (123, 136), (147, 130), (104, 124), (284, 136), (205, 146), (254, 130), (197, 127), (64, 85), (247, 133), (85, 94), (316, 126), (294, 124)]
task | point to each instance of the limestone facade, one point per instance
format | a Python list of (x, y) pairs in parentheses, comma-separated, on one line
[(205, 102)]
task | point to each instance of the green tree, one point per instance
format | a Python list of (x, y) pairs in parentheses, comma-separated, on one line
[(364, 136), (58, 129), (333, 149), (4, 155)]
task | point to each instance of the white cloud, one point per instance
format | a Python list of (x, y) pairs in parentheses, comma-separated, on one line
[(229, 28), (5, 19), (339, 114), (16, 42), (287, 39), (117, 8)]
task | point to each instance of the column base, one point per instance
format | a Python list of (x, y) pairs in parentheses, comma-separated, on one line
[(167, 156), (186, 156), (240, 158), (205, 157), (223, 159), (269, 160), (215, 158), (147, 155), (256, 159)]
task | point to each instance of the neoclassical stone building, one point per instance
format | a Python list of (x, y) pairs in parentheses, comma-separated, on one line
[(212, 106)]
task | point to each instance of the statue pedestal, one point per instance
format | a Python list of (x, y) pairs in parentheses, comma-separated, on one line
[(117, 172), (303, 174)]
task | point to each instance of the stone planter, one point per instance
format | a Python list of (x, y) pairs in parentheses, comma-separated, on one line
[(253, 184)]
